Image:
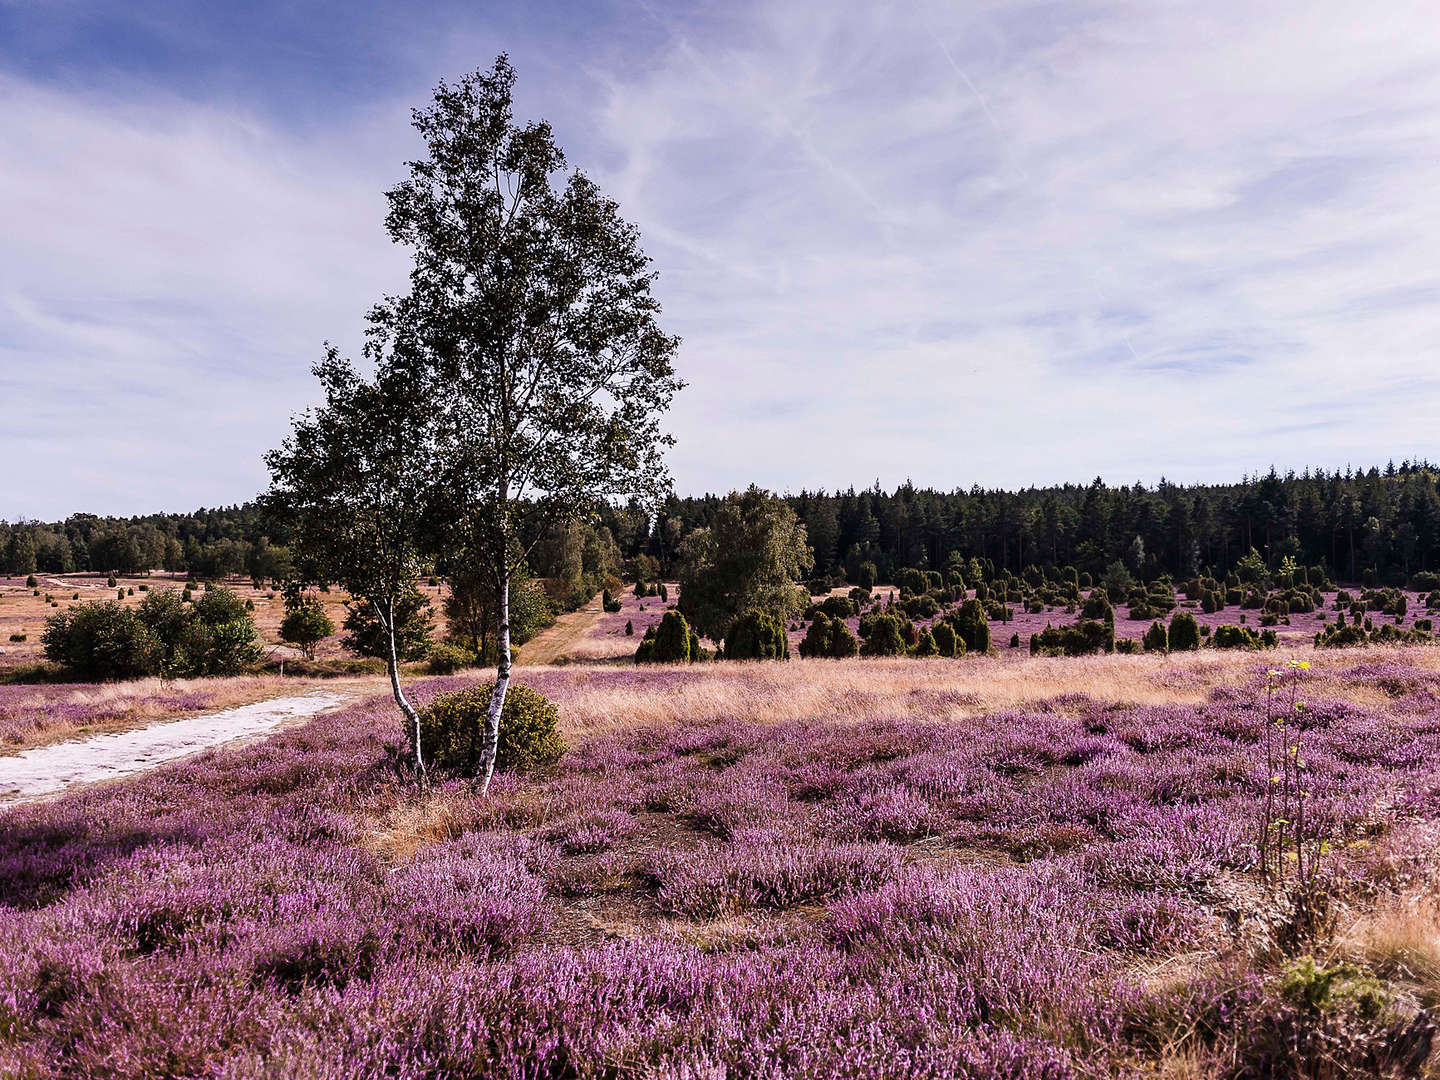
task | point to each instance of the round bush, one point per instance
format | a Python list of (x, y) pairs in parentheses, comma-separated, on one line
[(1184, 632), (447, 659), (451, 727), (755, 635), (1156, 639)]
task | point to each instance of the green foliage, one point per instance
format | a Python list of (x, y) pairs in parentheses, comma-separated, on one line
[(305, 624), (31, 582), (609, 603), (1184, 632), (629, 628), (101, 641), (749, 557), (450, 730), (1235, 637), (945, 637), (816, 641), (414, 623), (866, 576), (446, 659), (911, 581), (972, 626), (1097, 606), (1083, 638), (1156, 638), (671, 644), (756, 635), (925, 646), (883, 636), (472, 610)]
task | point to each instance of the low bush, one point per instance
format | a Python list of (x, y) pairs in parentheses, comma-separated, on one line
[(925, 646), (883, 636), (1097, 606), (972, 626), (1156, 638), (1184, 633), (1241, 637), (445, 659), (451, 727), (1084, 638), (755, 635), (608, 603), (945, 637)]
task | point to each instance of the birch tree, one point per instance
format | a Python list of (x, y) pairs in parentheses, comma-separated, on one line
[(354, 483), (531, 307)]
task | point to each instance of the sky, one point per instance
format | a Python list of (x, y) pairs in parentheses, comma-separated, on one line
[(994, 243)]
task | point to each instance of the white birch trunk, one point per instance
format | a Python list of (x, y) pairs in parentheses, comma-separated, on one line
[(490, 737), (392, 664)]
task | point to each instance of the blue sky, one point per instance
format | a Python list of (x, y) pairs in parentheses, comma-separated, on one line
[(994, 243)]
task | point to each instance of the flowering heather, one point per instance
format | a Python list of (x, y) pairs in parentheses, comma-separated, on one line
[(1065, 888), (30, 715)]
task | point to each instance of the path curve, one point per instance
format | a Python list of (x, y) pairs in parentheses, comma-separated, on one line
[(45, 770)]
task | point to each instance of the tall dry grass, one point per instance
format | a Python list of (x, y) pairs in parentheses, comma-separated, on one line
[(607, 698)]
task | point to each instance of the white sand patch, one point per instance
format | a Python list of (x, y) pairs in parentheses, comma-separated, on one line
[(47, 769)]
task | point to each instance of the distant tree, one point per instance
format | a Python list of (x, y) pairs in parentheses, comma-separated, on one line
[(472, 610), (305, 624), (972, 626), (751, 556), (406, 626)]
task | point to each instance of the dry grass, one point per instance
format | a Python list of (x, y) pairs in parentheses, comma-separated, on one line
[(21, 612), (123, 706), (1399, 940), (938, 689)]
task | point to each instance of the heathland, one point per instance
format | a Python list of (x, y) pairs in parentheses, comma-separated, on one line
[(1056, 867)]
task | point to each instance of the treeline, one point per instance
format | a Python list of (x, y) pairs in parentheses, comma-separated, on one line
[(1385, 521), (1377, 523)]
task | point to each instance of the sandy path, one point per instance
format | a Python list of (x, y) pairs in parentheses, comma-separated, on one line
[(563, 635), (48, 769)]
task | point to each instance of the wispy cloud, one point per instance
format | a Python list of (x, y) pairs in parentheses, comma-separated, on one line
[(994, 243)]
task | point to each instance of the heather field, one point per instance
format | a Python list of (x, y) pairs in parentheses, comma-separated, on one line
[(51, 712), (841, 868)]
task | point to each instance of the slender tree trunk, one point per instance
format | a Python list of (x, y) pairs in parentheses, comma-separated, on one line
[(392, 664), (490, 740)]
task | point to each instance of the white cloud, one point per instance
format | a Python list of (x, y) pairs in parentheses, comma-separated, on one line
[(998, 243)]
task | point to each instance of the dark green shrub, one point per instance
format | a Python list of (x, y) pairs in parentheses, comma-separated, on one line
[(629, 628), (882, 636), (32, 581), (100, 641), (1184, 632), (911, 581), (865, 576), (1014, 641), (1156, 638), (816, 641), (1127, 646), (972, 626), (1235, 637), (608, 603), (451, 727), (663, 593), (1084, 638), (945, 638), (305, 624), (17, 638), (697, 654), (1097, 606), (839, 607), (859, 597), (1209, 602), (755, 635), (920, 607), (445, 659), (110, 581), (842, 642), (671, 643), (642, 589), (926, 646), (1425, 581)]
